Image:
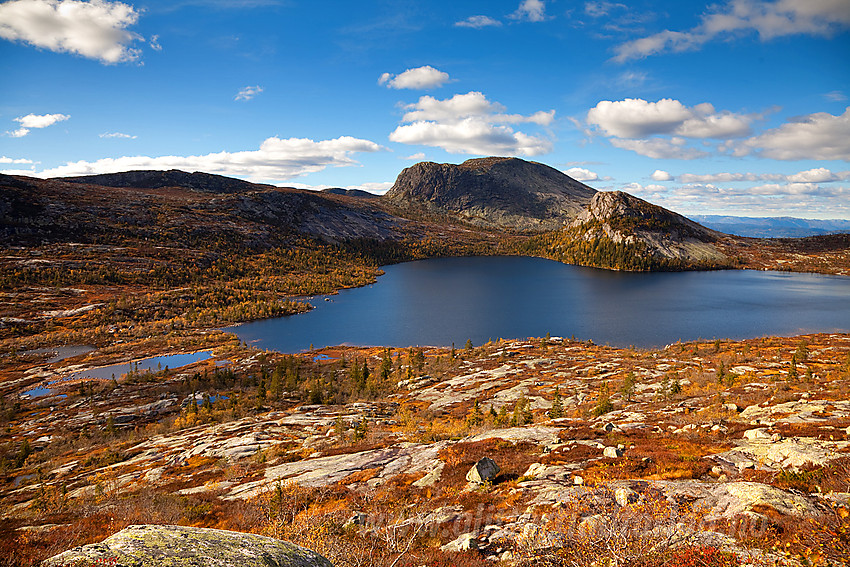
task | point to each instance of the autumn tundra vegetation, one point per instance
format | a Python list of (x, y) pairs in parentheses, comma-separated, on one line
[(705, 453), (619, 455)]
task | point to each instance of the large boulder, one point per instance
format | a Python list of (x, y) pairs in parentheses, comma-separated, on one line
[(182, 546), (483, 471)]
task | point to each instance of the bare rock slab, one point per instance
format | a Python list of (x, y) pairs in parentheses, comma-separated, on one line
[(183, 546)]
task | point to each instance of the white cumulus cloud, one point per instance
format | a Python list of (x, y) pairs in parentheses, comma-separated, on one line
[(662, 128), (660, 175), (660, 148), (768, 19), (637, 118), (820, 136), (422, 78), (96, 29), (478, 22), (531, 11), (582, 174), (276, 160), (35, 121), (248, 93), (18, 161), (815, 175), (471, 124)]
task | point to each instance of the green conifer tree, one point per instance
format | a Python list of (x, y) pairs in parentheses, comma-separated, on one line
[(628, 389), (557, 406)]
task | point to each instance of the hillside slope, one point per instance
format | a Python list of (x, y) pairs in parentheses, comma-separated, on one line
[(175, 206)]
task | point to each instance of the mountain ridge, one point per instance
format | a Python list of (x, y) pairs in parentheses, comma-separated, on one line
[(432, 210), (772, 227)]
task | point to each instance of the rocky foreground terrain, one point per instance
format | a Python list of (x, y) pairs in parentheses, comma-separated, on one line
[(545, 451), (533, 451)]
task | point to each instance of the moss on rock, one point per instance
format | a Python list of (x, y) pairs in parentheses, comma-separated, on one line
[(182, 546)]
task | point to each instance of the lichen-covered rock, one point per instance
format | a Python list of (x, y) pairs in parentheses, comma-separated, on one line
[(612, 452), (464, 542), (182, 546)]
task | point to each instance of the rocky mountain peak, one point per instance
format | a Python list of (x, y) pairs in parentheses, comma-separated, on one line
[(624, 210), (496, 192), (624, 218)]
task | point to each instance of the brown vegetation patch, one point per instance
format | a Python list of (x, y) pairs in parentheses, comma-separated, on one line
[(512, 458)]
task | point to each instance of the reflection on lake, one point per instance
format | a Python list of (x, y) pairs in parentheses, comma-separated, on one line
[(152, 364), (450, 300)]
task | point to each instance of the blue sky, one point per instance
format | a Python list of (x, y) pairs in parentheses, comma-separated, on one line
[(737, 107)]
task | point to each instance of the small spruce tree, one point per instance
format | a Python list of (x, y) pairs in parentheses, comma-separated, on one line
[(628, 388), (557, 406), (604, 404)]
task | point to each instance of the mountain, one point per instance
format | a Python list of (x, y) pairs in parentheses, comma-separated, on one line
[(181, 208), (773, 227), (350, 192), (482, 206), (494, 192), (152, 179), (621, 231)]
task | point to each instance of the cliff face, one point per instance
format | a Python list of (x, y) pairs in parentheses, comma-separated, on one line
[(492, 192), (624, 218)]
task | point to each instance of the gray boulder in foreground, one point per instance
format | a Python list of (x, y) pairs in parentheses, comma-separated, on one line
[(182, 546), (483, 471)]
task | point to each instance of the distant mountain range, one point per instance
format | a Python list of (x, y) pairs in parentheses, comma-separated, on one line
[(772, 227)]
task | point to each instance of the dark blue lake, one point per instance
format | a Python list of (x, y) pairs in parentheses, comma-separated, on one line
[(449, 300)]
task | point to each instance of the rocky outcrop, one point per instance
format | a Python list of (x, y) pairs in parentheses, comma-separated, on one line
[(492, 192), (624, 218), (183, 546)]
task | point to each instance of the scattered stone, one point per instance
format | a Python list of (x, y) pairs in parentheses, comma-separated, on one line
[(612, 452), (464, 542), (356, 519), (174, 546), (756, 434), (791, 453), (577, 480), (625, 496), (432, 478), (483, 471)]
